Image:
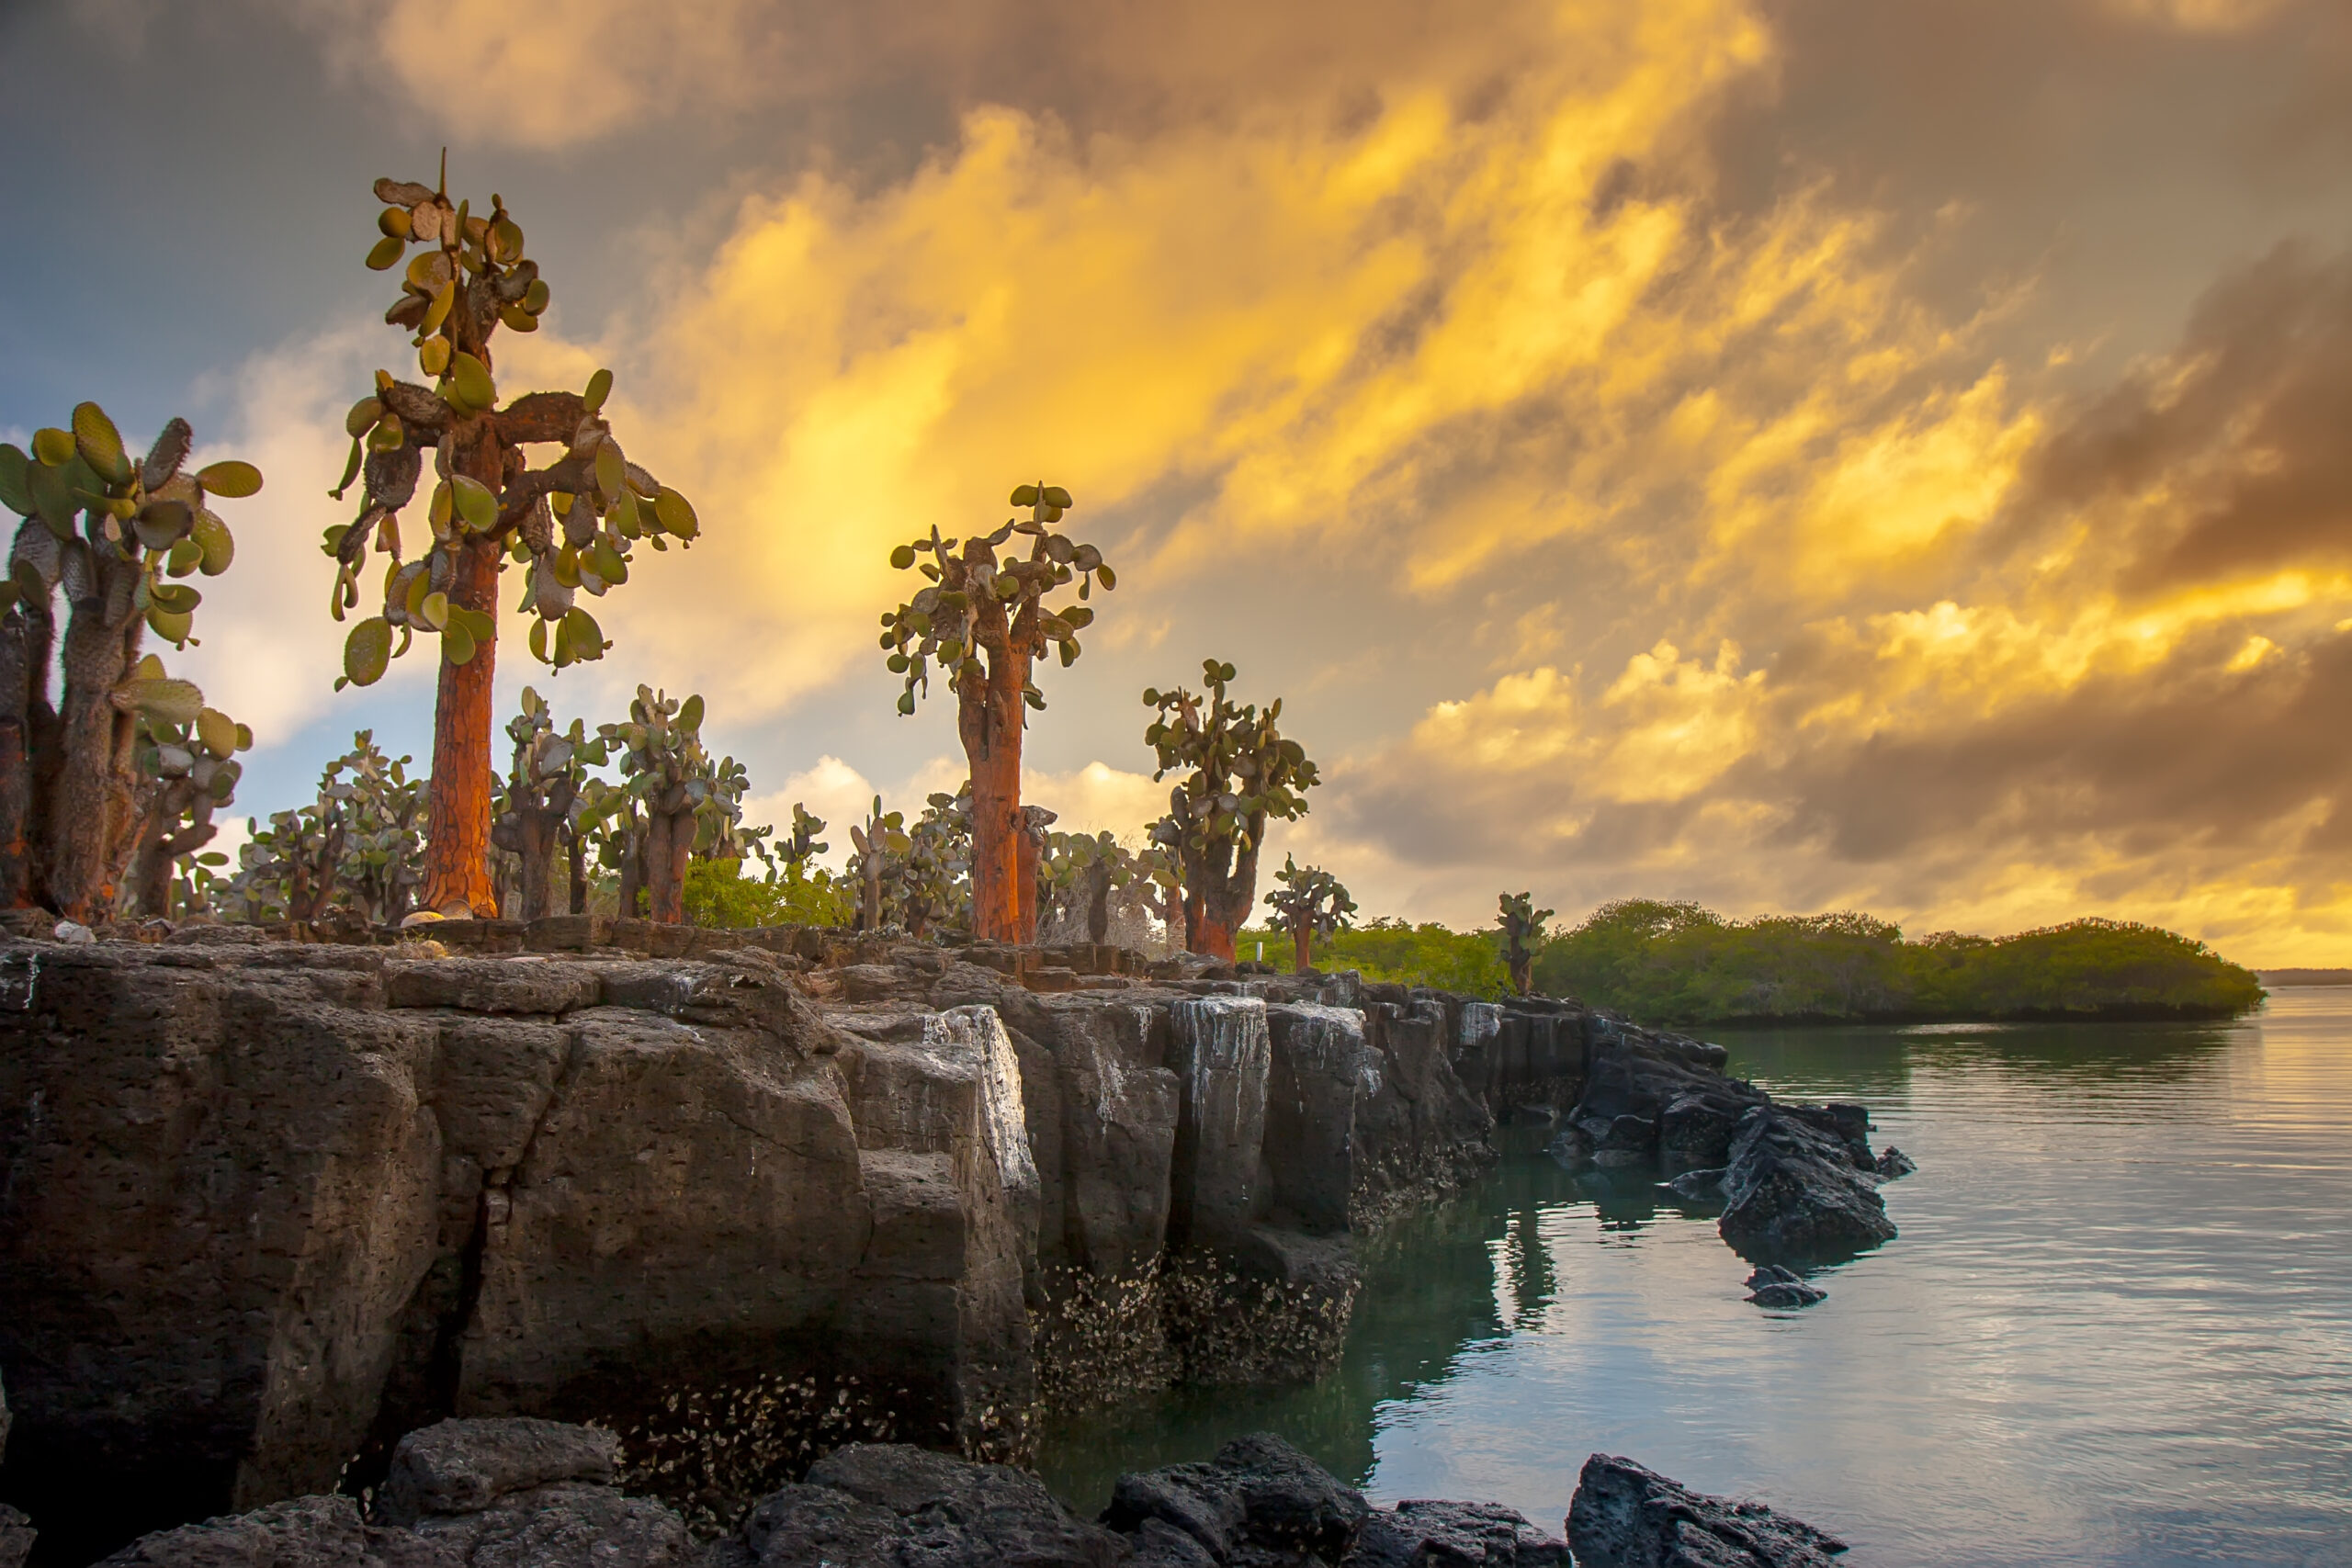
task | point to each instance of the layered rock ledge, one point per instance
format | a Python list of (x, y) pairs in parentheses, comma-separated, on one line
[(267, 1204)]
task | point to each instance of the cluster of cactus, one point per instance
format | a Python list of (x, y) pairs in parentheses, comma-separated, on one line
[(1523, 931), (544, 800), (572, 523), (916, 879), (1082, 875), (1308, 902), (982, 622), (671, 796), (115, 537), (1240, 773), (356, 851), (188, 770)]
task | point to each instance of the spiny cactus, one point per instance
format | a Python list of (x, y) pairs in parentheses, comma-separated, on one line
[(1522, 928), (355, 849), (572, 523), (976, 606), (114, 534), (672, 781), (1241, 771), (544, 806), (188, 770), (1082, 871), (880, 836), (1310, 902)]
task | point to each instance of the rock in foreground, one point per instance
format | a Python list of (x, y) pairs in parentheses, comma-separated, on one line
[(1626, 1516)]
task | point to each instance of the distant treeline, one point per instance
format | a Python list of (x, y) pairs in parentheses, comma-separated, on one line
[(1680, 963)]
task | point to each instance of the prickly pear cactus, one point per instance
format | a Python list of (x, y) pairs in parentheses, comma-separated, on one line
[(188, 770), (543, 800), (1240, 771), (672, 781), (980, 623), (114, 537), (1308, 902), (574, 524), (1522, 928)]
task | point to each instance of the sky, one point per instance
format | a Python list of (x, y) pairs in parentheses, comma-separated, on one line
[(1794, 454)]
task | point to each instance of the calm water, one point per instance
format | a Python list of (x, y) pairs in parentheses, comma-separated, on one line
[(2117, 1328)]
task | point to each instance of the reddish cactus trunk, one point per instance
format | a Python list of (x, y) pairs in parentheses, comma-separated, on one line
[(457, 851), (989, 720)]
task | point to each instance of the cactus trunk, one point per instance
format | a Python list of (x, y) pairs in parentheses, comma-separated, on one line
[(456, 853), (1303, 949), (28, 751), (669, 846), (92, 815), (989, 720)]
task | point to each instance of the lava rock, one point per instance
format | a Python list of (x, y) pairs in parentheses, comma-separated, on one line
[(1773, 1286), (305, 1532), (1694, 1132), (1791, 1191), (1258, 1492), (1625, 1516), (17, 1534), (892, 1504), (1892, 1164), (462, 1467), (1456, 1535)]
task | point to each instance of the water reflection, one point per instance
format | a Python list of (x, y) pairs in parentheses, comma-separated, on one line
[(2117, 1326)]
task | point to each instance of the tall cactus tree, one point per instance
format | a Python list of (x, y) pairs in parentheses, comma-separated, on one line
[(1522, 929), (1310, 902), (572, 523), (982, 622), (1240, 772), (112, 534)]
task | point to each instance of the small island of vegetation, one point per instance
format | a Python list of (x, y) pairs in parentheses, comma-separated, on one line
[(1680, 963)]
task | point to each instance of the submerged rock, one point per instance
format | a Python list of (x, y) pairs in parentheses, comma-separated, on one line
[(1698, 1188), (1627, 1516), (1773, 1286), (1793, 1190), (1892, 1164)]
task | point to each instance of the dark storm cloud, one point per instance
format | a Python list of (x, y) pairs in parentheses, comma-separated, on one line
[(2233, 454)]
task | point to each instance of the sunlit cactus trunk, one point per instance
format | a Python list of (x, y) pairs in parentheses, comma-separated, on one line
[(988, 721), (668, 847), (456, 854)]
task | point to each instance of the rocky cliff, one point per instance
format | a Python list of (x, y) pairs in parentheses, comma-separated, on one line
[(265, 1205)]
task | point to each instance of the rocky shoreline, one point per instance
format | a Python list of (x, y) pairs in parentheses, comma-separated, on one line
[(528, 1494), (744, 1199)]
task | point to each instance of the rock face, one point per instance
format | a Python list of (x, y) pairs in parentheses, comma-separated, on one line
[(1800, 1186), (265, 1204), (1626, 1516)]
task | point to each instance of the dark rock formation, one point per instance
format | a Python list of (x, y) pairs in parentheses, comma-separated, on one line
[(1892, 1164), (1258, 1496), (506, 1493), (889, 1504), (1626, 1516), (1773, 1286), (1423, 1535), (461, 1494), (269, 1203), (1797, 1188)]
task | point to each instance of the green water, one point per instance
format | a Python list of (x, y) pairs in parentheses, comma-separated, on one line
[(2117, 1328)]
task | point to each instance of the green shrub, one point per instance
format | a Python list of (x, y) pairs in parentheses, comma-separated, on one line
[(718, 894)]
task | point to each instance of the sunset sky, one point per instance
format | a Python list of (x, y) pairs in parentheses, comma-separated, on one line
[(1794, 454)]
